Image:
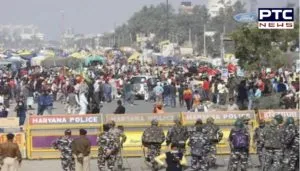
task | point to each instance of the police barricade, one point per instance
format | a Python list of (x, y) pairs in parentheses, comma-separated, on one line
[(11, 125), (42, 131), (267, 115), (225, 120), (135, 124)]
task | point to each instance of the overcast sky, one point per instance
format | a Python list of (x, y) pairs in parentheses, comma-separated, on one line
[(85, 16)]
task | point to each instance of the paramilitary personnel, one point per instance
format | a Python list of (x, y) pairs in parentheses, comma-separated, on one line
[(152, 138), (107, 149), (215, 136), (272, 141), (63, 144), (239, 140), (10, 153), (120, 137), (200, 147), (258, 141), (177, 134), (291, 142)]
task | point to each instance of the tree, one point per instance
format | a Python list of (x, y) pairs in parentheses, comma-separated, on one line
[(255, 48)]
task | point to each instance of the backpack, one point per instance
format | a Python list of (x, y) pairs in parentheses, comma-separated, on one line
[(153, 135), (187, 95), (212, 133), (240, 140), (198, 141)]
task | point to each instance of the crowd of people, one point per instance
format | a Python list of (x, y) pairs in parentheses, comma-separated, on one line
[(185, 83)]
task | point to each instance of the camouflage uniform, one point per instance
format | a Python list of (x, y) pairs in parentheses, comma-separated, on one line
[(152, 138), (178, 134), (63, 144), (200, 147), (118, 134), (215, 135), (272, 141), (106, 141), (291, 151), (257, 139), (238, 155)]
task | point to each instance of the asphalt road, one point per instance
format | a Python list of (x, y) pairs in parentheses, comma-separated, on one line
[(131, 164), (135, 164)]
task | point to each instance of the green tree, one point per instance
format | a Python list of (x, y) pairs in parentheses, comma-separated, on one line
[(255, 47)]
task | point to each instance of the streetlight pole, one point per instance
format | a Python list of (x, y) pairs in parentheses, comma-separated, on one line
[(167, 25)]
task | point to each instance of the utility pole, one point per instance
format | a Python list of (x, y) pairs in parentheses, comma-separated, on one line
[(204, 40), (190, 37), (167, 24)]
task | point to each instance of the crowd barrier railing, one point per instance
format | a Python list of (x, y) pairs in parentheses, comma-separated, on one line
[(42, 131)]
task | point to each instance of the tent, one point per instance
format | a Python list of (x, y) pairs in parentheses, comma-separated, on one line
[(61, 61), (91, 59), (134, 57), (37, 60)]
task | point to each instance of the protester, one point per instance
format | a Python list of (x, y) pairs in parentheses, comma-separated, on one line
[(120, 109), (175, 159)]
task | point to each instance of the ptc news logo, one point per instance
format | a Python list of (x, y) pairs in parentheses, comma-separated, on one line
[(276, 18)]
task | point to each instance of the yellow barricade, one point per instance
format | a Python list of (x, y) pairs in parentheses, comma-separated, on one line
[(42, 131), (19, 139), (135, 124), (11, 124), (224, 119)]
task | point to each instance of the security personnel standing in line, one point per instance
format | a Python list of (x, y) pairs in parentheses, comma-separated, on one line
[(239, 139), (107, 149), (152, 138), (178, 135), (272, 136), (11, 154), (291, 142), (258, 141), (63, 144), (120, 137), (215, 135)]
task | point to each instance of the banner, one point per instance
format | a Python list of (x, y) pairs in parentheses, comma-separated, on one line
[(144, 119), (67, 119), (19, 139), (218, 115), (269, 114)]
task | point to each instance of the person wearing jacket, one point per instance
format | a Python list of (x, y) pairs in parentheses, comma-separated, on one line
[(175, 160), (21, 112), (45, 102)]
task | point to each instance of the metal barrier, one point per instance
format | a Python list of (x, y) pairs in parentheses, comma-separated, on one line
[(135, 124), (224, 119), (43, 130)]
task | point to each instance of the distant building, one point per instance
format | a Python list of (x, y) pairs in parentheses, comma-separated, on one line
[(23, 32), (186, 7), (214, 6)]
